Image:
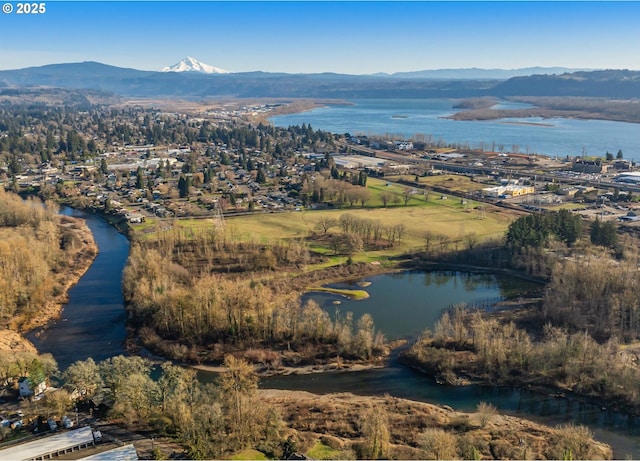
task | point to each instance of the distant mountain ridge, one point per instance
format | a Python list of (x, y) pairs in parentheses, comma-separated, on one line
[(479, 73), (198, 85)]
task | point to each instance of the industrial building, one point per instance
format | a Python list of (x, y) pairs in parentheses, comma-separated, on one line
[(510, 190), (51, 446)]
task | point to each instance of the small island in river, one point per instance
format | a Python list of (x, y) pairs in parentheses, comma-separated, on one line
[(551, 107)]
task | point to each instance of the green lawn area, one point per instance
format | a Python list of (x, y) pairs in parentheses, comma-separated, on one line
[(250, 454), (377, 187), (322, 451), (353, 294), (449, 217), (452, 217)]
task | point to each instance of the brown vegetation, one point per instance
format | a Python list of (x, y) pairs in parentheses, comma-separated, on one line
[(595, 294), (403, 429), (214, 421), (471, 346), (41, 255), (562, 107), (188, 310)]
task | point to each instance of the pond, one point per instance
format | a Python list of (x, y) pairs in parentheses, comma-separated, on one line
[(403, 304)]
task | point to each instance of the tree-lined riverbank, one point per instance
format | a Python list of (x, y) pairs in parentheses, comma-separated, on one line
[(42, 255)]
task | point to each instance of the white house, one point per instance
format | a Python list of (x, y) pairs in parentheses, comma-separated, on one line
[(25, 389)]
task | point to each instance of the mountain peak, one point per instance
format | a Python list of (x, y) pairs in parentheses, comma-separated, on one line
[(190, 64)]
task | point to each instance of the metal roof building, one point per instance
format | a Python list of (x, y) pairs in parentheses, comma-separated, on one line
[(123, 453), (46, 447)]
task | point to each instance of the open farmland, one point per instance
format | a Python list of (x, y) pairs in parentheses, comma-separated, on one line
[(450, 217), (453, 182)]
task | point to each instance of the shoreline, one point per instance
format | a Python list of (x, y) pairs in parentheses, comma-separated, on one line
[(544, 125), (14, 336), (82, 262), (302, 370), (483, 115), (296, 106)]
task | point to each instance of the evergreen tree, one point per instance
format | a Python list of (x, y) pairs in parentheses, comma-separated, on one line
[(139, 179), (531, 230), (567, 226), (184, 184), (604, 233), (335, 174), (362, 179)]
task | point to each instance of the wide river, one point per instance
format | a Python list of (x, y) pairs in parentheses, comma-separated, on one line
[(408, 118), (93, 325)]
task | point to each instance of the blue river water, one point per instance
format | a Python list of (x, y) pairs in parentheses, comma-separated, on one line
[(406, 118), (93, 321)]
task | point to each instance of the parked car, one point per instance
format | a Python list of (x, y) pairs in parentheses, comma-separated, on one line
[(52, 424), (16, 424), (67, 423)]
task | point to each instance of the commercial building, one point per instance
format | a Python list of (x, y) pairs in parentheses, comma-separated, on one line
[(48, 447), (510, 190)]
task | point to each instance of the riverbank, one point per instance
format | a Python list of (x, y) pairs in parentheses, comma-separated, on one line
[(85, 253), (338, 422), (296, 106), (81, 252), (101, 338), (14, 342), (333, 366), (514, 348), (582, 108)]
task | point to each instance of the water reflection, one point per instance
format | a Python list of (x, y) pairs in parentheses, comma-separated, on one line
[(619, 430), (92, 323), (403, 304)]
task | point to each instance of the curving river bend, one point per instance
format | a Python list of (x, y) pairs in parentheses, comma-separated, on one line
[(92, 324)]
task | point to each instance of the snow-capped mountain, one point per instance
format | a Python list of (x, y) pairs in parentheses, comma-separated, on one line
[(190, 64)]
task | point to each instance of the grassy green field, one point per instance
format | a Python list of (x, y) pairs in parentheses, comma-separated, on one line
[(449, 217), (454, 182), (436, 213), (322, 451), (249, 454)]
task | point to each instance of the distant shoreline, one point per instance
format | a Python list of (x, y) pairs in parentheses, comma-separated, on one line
[(530, 124), (551, 107), (297, 106)]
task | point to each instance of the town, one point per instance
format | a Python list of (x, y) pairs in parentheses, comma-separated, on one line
[(219, 161), (175, 180)]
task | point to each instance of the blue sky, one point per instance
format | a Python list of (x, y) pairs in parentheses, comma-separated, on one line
[(348, 37)]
